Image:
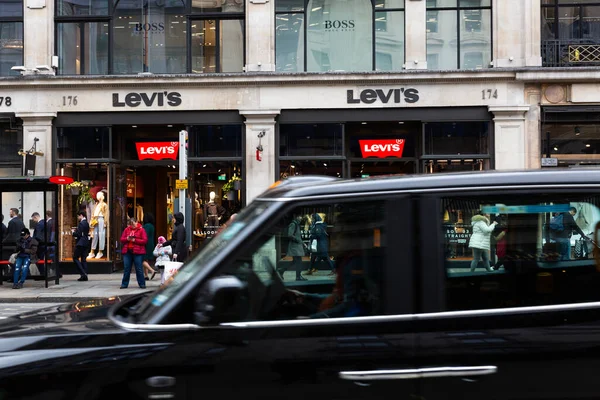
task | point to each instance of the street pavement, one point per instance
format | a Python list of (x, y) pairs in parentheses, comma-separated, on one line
[(70, 290)]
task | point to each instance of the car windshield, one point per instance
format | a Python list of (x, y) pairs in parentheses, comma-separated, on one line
[(211, 251)]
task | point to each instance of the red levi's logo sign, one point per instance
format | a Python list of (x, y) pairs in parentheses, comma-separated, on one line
[(382, 148), (157, 150)]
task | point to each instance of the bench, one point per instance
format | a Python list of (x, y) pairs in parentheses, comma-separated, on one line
[(4, 264)]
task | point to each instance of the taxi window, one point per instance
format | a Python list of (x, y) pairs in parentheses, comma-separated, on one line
[(512, 250)]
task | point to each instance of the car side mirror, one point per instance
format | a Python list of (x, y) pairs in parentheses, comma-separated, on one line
[(221, 299)]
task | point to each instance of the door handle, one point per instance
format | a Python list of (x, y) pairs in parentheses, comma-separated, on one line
[(417, 373)]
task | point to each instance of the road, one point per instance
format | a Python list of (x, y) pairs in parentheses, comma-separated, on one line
[(8, 309)]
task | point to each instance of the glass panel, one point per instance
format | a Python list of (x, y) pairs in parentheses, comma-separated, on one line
[(89, 193), (548, 23), (149, 39), (11, 47), (442, 3), (73, 7), (366, 168), (389, 40), (455, 165), (339, 35), (232, 45), (474, 3), (310, 167), (528, 249), (443, 42), (289, 5), (310, 140), (591, 23), (384, 136), (204, 46), (289, 42), (569, 23), (11, 141), (83, 142), (456, 138), (475, 39), (232, 6), (580, 140), (216, 140), (11, 8), (94, 48), (383, 4)]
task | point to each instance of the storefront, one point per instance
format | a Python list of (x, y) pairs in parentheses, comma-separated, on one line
[(133, 162), (361, 143)]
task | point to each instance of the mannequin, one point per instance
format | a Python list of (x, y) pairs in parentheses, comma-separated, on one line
[(100, 218), (213, 212)]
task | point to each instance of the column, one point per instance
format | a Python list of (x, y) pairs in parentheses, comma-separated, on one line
[(259, 175), (38, 125), (509, 137), (38, 34), (516, 33), (415, 40), (260, 35)]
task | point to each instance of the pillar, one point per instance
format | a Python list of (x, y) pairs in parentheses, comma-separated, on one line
[(259, 175), (509, 137), (260, 35), (38, 30), (415, 40)]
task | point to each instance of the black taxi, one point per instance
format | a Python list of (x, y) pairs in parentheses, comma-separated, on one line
[(455, 286)]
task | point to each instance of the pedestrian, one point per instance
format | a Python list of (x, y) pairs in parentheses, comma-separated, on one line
[(319, 252), (27, 254), (148, 225), (163, 254), (178, 239), (82, 244), (15, 226), (134, 247), (295, 248), (480, 240)]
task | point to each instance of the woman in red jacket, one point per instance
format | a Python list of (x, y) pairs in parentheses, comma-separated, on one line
[(134, 240)]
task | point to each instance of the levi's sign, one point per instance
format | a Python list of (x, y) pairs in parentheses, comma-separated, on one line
[(159, 99), (157, 150), (382, 148), (395, 96)]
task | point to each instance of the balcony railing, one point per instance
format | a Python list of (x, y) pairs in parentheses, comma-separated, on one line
[(571, 52)]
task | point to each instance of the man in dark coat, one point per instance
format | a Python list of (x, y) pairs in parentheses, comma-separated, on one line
[(295, 248), (178, 239), (13, 233), (318, 232), (39, 234), (82, 245)]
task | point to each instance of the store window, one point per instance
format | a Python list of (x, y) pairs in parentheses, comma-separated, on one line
[(570, 32), (11, 141), (310, 140), (520, 250), (215, 141), (572, 141), (456, 138), (373, 30), (83, 142), (131, 37), (459, 34), (90, 192), (11, 36)]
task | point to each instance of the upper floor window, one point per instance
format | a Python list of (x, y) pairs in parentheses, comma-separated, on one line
[(330, 35), (11, 36), (162, 37), (570, 32), (459, 34)]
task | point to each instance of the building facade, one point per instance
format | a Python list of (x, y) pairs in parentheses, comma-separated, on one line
[(272, 88)]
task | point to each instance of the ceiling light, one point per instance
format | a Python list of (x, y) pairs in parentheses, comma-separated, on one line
[(293, 166), (555, 148), (169, 126), (588, 145), (364, 123), (134, 126)]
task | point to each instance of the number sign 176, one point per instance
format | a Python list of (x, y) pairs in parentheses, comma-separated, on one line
[(69, 101)]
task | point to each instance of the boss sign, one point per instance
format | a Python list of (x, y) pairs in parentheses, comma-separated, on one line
[(157, 150), (382, 148)]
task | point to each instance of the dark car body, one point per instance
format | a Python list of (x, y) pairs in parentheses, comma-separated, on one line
[(437, 328)]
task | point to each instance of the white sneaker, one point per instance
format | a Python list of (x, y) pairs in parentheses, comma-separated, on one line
[(99, 255), (91, 255)]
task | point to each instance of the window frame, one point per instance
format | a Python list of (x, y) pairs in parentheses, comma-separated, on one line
[(458, 9), (374, 12), (190, 17), (17, 20)]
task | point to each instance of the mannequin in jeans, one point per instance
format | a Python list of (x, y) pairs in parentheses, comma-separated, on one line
[(100, 217)]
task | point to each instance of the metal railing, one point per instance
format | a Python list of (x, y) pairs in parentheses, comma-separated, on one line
[(571, 52)]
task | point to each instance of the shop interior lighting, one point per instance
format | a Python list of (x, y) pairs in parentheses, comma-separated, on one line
[(577, 131), (555, 148), (169, 126), (588, 145), (364, 123), (134, 126)]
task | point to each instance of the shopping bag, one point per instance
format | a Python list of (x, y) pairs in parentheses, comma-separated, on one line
[(13, 258), (171, 268), (313, 246)]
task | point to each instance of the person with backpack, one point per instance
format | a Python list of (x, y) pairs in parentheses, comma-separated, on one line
[(561, 227)]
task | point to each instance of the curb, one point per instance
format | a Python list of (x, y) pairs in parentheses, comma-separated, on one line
[(49, 299)]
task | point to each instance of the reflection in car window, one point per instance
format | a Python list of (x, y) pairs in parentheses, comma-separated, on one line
[(517, 251), (193, 266), (316, 261)]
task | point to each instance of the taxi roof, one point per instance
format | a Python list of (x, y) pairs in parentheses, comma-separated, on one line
[(308, 186)]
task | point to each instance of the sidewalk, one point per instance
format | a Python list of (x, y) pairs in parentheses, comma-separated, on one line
[(70, 290)]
